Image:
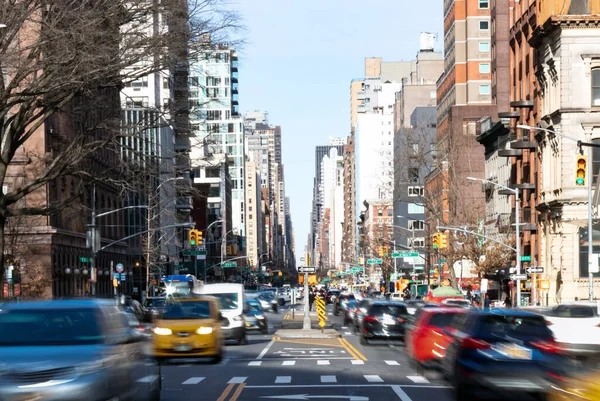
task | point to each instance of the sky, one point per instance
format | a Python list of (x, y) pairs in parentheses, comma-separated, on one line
[(298, 60)]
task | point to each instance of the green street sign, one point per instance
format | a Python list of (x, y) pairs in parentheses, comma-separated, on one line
[(84, 259), (442, 260), (230, 264), (525, 258), (374, 261), (189, 252), (404, 254)]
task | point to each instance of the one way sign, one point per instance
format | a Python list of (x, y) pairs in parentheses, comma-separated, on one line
[(514, 277), (532, 270)]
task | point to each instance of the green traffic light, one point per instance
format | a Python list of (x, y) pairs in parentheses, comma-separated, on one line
[(192, 242), (435, 246), (580, 181)]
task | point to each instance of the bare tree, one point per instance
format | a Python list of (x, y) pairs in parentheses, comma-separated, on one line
[(63, 64)]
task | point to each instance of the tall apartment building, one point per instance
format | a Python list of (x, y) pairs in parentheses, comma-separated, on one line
[(254, 220), (215, 118)]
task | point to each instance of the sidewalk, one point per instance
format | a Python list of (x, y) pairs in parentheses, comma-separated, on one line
[(294, 320)]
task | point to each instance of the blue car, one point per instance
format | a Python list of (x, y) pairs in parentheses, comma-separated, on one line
[(502, 352)]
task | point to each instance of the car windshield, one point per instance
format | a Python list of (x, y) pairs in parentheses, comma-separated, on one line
[(441, 320), (39, 327), (187, 310), (155, 303), (352, 304), (515, 326), (228, 301), (253, 307), (392, 310), (267, 296)]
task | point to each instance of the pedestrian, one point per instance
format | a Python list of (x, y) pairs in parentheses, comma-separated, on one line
[(486, 302), (507, 302), (311, 300)]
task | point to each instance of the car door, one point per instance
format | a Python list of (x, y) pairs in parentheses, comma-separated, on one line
[(456, 331)]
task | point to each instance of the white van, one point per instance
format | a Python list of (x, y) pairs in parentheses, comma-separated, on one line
[(231, 300)]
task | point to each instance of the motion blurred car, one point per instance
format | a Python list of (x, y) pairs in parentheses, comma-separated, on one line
[(582, 382), (350, 311), (69, 350), (153, 308), (413, 304), (255, 317), (501, 351), (426, 341), (360, 312), (331, 296), (189, 328), (456, 303), (268, 301), (384, 320), (341, 302)]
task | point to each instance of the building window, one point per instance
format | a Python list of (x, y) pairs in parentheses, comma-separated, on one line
[(418, 243), (432, 94), (484, 4), (484, 68), (484, 47), (484, 25), (415, 208), (390, 212), (484, 89), (416, 225), (596, 87), (416, 191), (380, 212)]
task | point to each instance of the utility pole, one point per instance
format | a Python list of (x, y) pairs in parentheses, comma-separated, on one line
[(93, 275)]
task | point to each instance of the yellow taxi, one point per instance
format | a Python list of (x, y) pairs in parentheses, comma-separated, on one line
[(582, 384), (189, 328)]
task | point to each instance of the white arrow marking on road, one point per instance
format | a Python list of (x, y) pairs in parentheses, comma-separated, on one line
[(308, 397)]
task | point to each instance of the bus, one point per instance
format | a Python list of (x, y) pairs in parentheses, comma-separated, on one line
[(181, 285)]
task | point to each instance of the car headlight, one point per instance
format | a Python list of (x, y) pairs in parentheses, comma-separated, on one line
[(204, 330), (260, 317), (238, 319), (161, 331)]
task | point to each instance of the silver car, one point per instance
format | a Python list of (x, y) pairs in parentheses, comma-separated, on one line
[(72, 350)]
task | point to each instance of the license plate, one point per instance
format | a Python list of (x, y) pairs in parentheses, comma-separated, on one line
[(183, 347), (514, 352)]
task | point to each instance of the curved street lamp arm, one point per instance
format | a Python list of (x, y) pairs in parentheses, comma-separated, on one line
[(462, 230)]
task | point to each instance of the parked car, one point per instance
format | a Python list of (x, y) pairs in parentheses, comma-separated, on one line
[(384, 320), (501, 351), (255, 317), (426, 340)]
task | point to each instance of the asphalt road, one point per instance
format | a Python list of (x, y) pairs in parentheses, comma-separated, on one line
[(270, 368)]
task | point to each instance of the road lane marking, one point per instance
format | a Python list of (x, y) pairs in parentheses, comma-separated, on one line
[(392, 363), (357, 362), (323, 363), (226, 392), (350, 348), (288, 363), (283, 379), (266, 349), (347, 333), (379, 385), (307, 341), (373, 378), (418, 379), (147, 379), (328, 379), (237, 392), (185, 365), (255, 363), (344, 327), (193, 380), (237, 380), (400, 393)]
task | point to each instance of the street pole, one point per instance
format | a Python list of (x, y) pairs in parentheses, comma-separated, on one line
[(518, 245), (395, 265), (306, 325), (590, 223), (93, 274)]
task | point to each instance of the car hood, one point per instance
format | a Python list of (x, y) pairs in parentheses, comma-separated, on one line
[(253, 314), (36, 358)]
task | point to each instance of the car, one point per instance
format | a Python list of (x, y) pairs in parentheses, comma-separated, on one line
[(255, 317), (581, 383), (340, 303), (426, 341), (501, 351), (453, 303), (72, 350), (331, 296), (153, 308), (350, 310), (384, 320), (231, 304), (268, 301), (189, 328), (359, 313)]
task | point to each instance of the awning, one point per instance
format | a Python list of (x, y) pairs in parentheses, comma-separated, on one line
[(325, 280)]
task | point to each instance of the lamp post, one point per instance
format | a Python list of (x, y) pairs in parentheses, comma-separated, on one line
[(206, 232), (589, 175), (518, 230), (223, 242)]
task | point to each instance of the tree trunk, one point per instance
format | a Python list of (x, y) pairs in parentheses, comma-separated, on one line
[(452, 273), (2, 254)]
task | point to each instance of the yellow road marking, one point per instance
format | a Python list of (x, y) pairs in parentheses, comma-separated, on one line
[(308, 342), (237, 392), (354, 350), (343, 344), (226, 392)]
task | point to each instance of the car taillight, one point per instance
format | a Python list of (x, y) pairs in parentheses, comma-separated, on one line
[(371, 319), (550, 347), (549, 323), (473, 343), (401, 320)]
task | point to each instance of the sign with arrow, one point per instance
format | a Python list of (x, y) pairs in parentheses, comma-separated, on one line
[(515, 277), (314, 397), (532, 270), (306, 269)]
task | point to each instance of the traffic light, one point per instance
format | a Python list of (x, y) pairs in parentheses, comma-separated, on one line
[(436, 238), (385, 251), (380, 251), (193, 237), (199, 237), (581, 170), (443, 241)]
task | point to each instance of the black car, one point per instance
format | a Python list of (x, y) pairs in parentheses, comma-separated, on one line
[(332, 296), (384, 320), (153, 308), (255, 317)]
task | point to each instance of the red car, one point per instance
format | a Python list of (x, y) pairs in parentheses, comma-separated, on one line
[(426, 341)]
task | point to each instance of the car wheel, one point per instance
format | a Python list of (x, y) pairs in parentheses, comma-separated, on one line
[(265, 331), (462, 392), (363, 340), (281, 301), (243, 340), (217, 358)]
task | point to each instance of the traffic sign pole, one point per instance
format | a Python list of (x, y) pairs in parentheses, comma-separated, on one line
[(306, 325)]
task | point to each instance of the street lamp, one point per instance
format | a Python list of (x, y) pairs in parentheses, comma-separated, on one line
[(518, 230), (589, 176)]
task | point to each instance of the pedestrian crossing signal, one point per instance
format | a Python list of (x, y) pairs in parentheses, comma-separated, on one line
[(581, 170)]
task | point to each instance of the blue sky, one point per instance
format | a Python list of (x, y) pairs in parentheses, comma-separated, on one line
[(297, 64)]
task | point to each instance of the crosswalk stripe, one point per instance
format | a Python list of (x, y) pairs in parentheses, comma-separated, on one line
[(323, 363), (237, 380), (288, 363), (193, 380), (373, 378), (344, 327), (417, 379), (255, 363), (147, 379), (283, 379), (328, 379), (347, 333), (392, 362), (357, 362)]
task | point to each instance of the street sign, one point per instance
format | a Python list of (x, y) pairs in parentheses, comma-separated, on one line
[(404, 254), (306, 269), (83, 259), (230, 264), (532, 270), (442, 260), (515, 277), (374, 261), (119, 267), (190, 252), (525, 258)]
